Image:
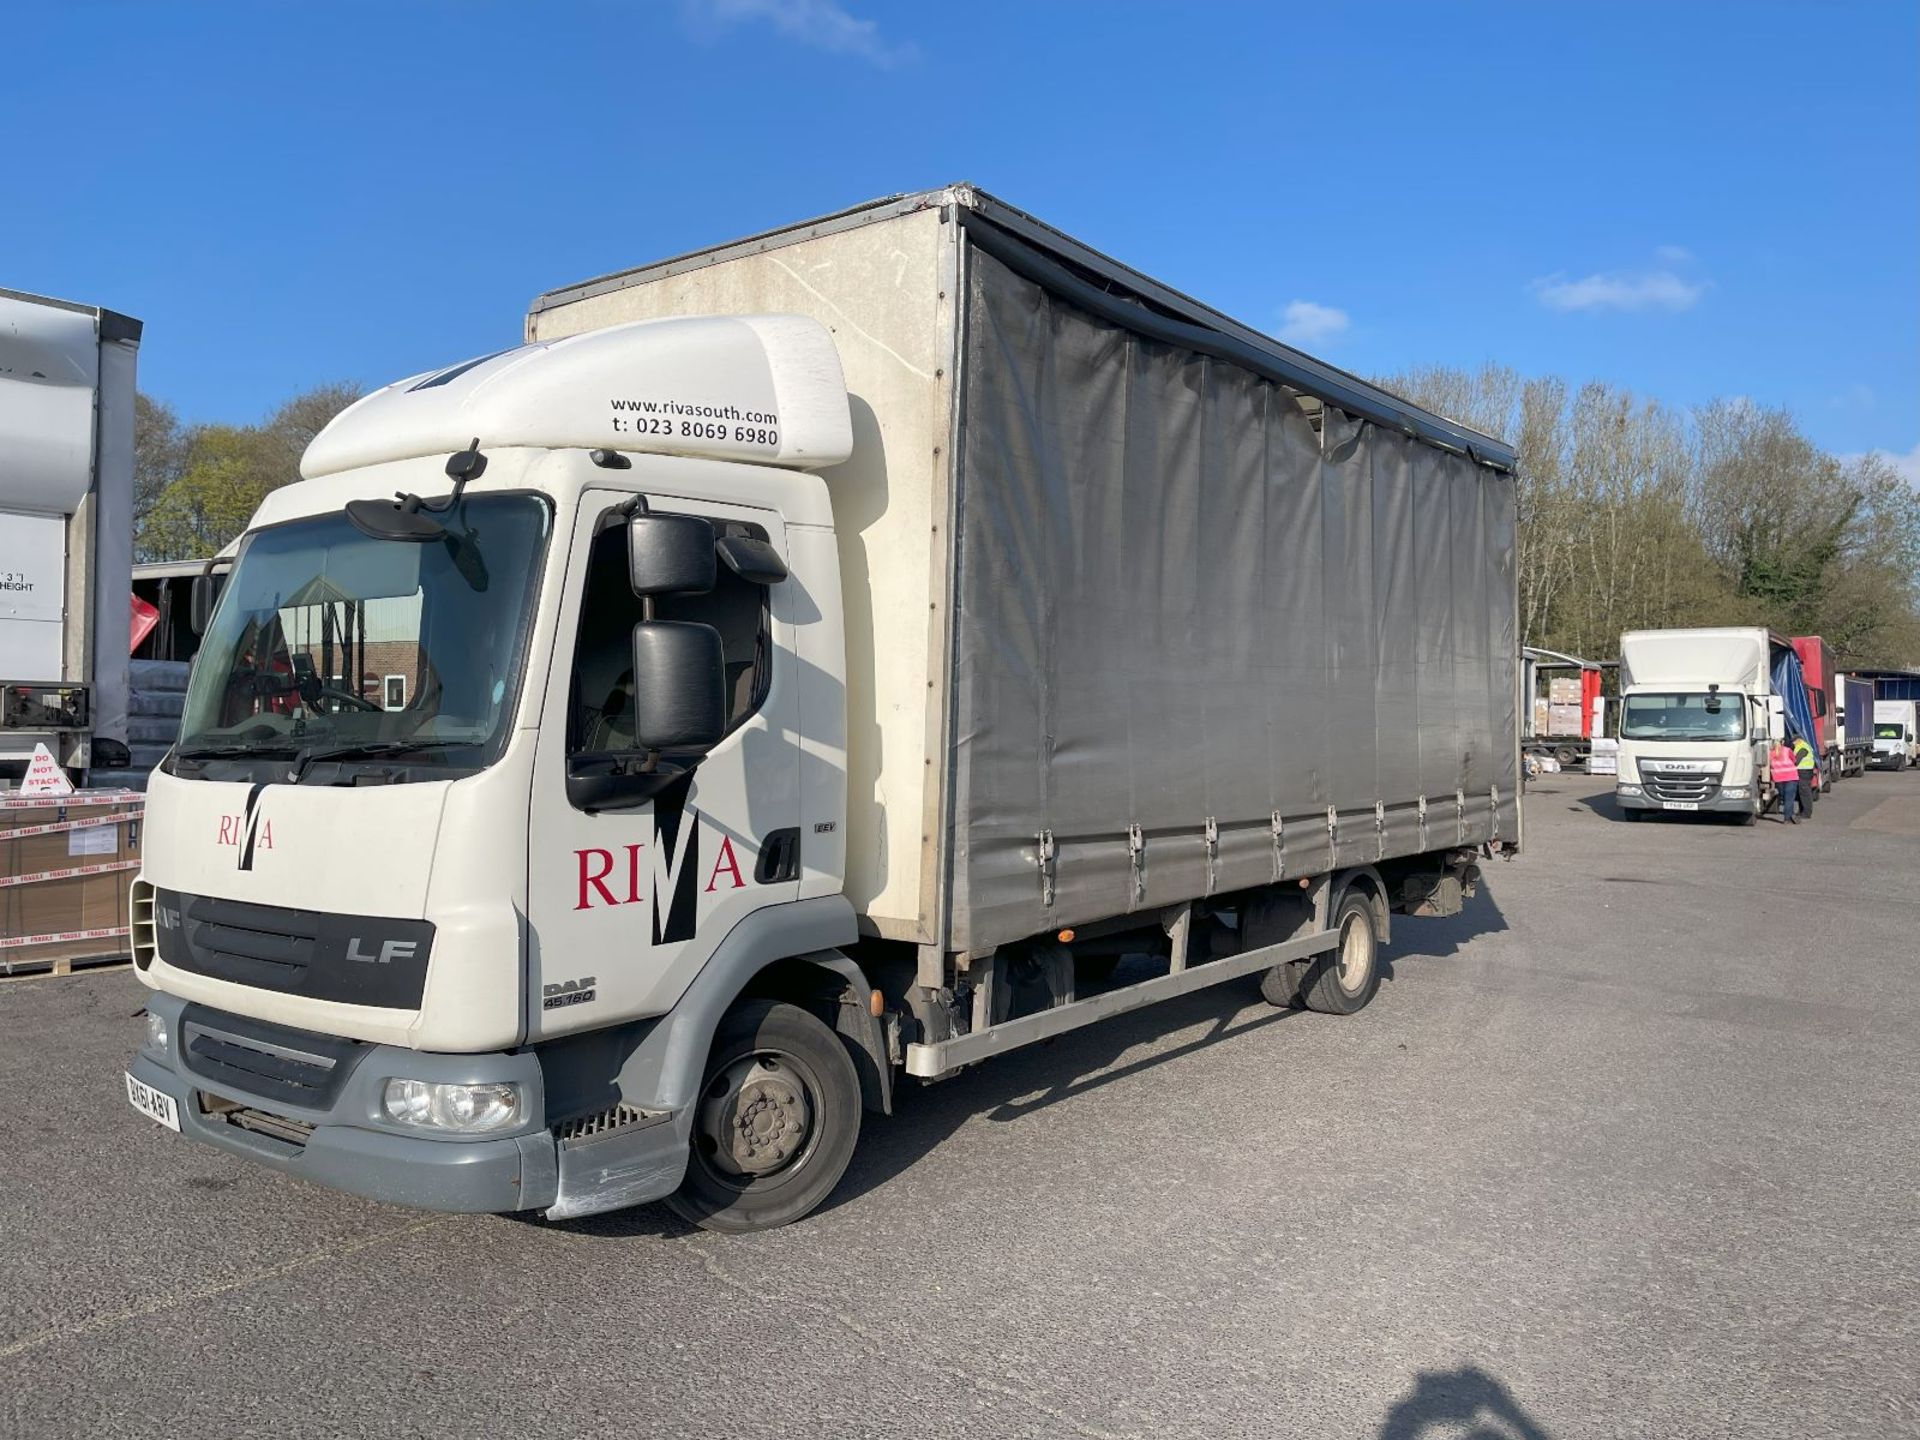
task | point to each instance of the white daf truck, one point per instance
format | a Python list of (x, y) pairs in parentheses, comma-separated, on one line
[(1698, 711), (802, 665)]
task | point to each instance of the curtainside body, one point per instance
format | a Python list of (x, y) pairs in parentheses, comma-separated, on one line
[(1823, 699), (1131, 594), (1853, 717)]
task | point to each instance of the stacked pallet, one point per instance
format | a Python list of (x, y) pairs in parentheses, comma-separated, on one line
[(66, 865)]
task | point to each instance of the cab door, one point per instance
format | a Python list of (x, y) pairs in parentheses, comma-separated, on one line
[(625, 906)]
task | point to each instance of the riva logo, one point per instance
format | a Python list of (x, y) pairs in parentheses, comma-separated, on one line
[(390, 951), (567, 992), (672, 874), (233, 830)]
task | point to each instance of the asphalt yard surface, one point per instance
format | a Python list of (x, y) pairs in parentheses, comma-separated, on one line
[(1629, 1148)]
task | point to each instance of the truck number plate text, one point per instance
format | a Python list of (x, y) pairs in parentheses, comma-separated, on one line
[(152, 1103)]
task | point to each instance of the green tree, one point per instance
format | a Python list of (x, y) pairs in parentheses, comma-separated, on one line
[(1635, 516), (159, 457), (197, 486)]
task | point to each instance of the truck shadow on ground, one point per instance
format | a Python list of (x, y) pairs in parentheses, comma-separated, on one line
[(1464, 1404), (1012, 1087), (1608, 808)]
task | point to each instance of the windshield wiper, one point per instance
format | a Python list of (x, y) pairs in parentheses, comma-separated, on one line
[(224, 752), (199, 754), (361, 749)]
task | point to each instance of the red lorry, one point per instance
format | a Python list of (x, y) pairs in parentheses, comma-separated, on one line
[(1817, 668)]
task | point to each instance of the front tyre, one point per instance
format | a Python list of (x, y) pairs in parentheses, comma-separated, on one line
[(775, 1124), (1344, 979)]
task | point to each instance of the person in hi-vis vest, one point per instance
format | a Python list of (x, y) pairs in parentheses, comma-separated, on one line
[(1809, 773), (1786, 779)]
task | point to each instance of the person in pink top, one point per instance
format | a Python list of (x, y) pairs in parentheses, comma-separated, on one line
[(1785, 771)]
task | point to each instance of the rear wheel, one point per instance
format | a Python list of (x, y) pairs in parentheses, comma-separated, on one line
[(1344, 979), (775, 1123)]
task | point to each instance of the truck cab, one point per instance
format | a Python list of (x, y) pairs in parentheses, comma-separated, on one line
[(1896, 734), (1697, 713), (456, 722)]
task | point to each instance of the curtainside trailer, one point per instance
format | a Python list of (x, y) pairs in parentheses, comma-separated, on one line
[(804, 666), (1853, 716)]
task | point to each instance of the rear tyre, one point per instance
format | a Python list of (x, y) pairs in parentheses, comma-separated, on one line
[(1343, 980), (1280, 986), (775, 1124)]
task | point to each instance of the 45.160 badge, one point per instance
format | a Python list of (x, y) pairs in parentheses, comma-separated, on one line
[(567, 992)]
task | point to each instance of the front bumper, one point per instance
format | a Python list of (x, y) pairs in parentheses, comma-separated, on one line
[(340, 1138), (1717, 804)]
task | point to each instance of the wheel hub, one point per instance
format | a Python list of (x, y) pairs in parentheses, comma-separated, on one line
[(755, 1115), (1356, 944)]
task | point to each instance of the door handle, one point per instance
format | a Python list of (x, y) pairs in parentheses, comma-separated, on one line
[(779, 858)]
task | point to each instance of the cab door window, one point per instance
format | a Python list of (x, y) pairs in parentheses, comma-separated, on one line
[(600, 711)]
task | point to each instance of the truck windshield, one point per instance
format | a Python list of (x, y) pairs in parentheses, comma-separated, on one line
[(1887, 732), (330, 645), (1684, 715)]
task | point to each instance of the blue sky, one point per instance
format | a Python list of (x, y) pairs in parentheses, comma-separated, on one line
[(1687, 199)]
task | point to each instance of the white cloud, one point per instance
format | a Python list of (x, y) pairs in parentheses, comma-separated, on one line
[(1667, 284), (819, 24), (1305, 323)]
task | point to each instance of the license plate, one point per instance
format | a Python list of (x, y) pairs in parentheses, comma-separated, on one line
[(1678, 805), (152, 1103)]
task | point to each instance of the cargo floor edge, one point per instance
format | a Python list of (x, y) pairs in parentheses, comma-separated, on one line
[(930, 1062)]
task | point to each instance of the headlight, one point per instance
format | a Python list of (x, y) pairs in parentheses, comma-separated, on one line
[(157, 1036), (472, 1109), (1734, 792), (1626, 790)]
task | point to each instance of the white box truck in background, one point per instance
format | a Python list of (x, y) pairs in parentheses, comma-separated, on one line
[(1896, 734), (66, 530), (1698, 709), (836, 651)]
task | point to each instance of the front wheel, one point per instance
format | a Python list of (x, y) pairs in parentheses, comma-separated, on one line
[(775, 1124), (1344, 979)]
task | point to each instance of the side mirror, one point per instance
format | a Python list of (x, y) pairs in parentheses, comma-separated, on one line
[(201, 599), (670, 555), (679, 683), (1776, 718)]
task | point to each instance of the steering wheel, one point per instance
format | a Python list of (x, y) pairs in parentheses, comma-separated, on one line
[(324, 691)]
